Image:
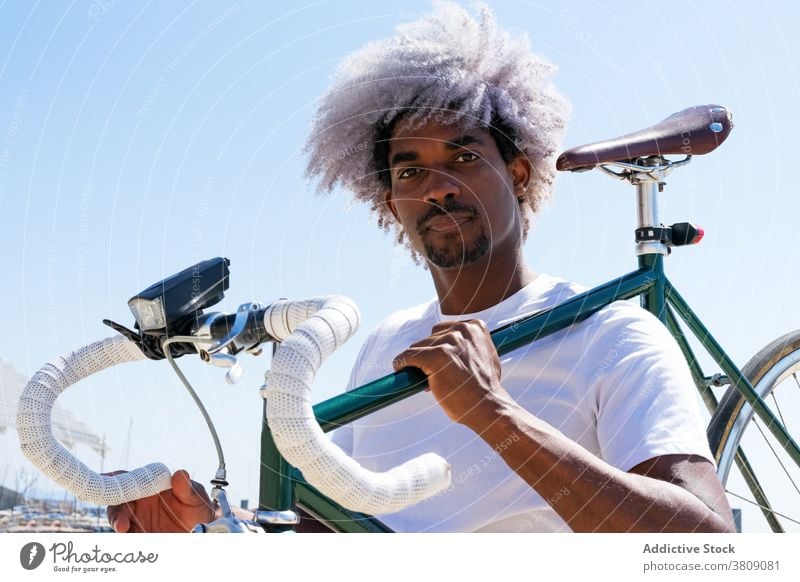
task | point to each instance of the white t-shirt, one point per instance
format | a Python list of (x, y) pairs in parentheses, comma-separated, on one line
[(615, 383)]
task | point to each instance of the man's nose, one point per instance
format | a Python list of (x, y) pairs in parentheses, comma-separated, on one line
[(441, 186)]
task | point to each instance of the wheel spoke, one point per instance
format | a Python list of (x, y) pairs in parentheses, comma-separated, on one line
[(763, 508), (778, 408), (775, 454)]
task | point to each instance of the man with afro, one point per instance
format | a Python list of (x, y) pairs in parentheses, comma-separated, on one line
[(594, 428)]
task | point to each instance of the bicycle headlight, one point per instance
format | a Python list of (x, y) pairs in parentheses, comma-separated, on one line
[(166, 307), (148, 313)]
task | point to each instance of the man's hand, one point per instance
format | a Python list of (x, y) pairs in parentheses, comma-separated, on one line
[(463, 370), (176, 510)]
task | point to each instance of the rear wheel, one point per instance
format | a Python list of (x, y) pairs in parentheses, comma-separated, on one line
[(757, 473)]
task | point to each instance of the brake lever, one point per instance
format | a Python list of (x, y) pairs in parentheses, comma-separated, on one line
[(239, 337), (150, 344)]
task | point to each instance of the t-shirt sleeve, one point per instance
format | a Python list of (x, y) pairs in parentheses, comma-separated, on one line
[(646, 401)]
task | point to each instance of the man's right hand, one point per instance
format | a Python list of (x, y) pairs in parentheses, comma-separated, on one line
[(176, 510)]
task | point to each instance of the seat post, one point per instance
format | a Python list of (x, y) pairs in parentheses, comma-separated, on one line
[(648, 191)]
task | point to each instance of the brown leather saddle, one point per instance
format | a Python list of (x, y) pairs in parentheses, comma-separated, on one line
[(693, 131)]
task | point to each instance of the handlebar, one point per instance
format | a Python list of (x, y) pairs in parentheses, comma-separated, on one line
[(309, 331), (43, 450)]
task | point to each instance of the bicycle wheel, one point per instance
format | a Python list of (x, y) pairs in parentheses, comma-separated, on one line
[(765, 482)]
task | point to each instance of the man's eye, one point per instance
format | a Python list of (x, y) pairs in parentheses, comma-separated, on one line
[(467, 157), (407, 173)]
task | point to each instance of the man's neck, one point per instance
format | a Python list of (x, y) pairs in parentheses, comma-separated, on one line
[(481, 285)]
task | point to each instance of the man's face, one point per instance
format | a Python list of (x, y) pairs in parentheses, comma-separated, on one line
[(453, 193)]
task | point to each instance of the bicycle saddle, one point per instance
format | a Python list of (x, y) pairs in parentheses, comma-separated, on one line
[(693, 131)]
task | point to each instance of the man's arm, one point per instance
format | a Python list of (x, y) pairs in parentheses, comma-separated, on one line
[(671, 493), (667, 493)]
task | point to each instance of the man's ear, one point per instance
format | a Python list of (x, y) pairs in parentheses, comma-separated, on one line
[(390, 203), (520, 168)]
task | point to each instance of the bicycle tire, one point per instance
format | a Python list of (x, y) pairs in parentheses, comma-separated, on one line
[(770, 368)]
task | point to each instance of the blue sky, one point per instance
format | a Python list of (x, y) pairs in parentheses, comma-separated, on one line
[(139, 137)]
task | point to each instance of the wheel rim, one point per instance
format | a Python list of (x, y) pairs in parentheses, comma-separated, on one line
[(780, 477)]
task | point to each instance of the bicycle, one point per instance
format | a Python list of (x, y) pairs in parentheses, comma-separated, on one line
[(171, 320)]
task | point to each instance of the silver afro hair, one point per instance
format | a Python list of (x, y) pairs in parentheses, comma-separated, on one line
[(448, 67)]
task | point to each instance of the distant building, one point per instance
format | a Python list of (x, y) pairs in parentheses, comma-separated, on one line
[(9, 498), (16, 471), (67, 429)]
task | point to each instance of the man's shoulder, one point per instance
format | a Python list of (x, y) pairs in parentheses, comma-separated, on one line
[(618, 313), (624, 327), (625, 313), (613, 322)]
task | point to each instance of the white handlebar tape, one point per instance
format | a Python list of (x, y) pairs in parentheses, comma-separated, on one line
[(311, 330), (43, 450)]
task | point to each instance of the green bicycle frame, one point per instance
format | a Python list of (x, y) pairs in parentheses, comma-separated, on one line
[(282, 487)]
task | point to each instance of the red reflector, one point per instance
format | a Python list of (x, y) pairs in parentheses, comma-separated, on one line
[(699, 236)]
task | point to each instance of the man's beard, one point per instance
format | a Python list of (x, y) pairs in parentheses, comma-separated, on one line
[(455, 255)]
